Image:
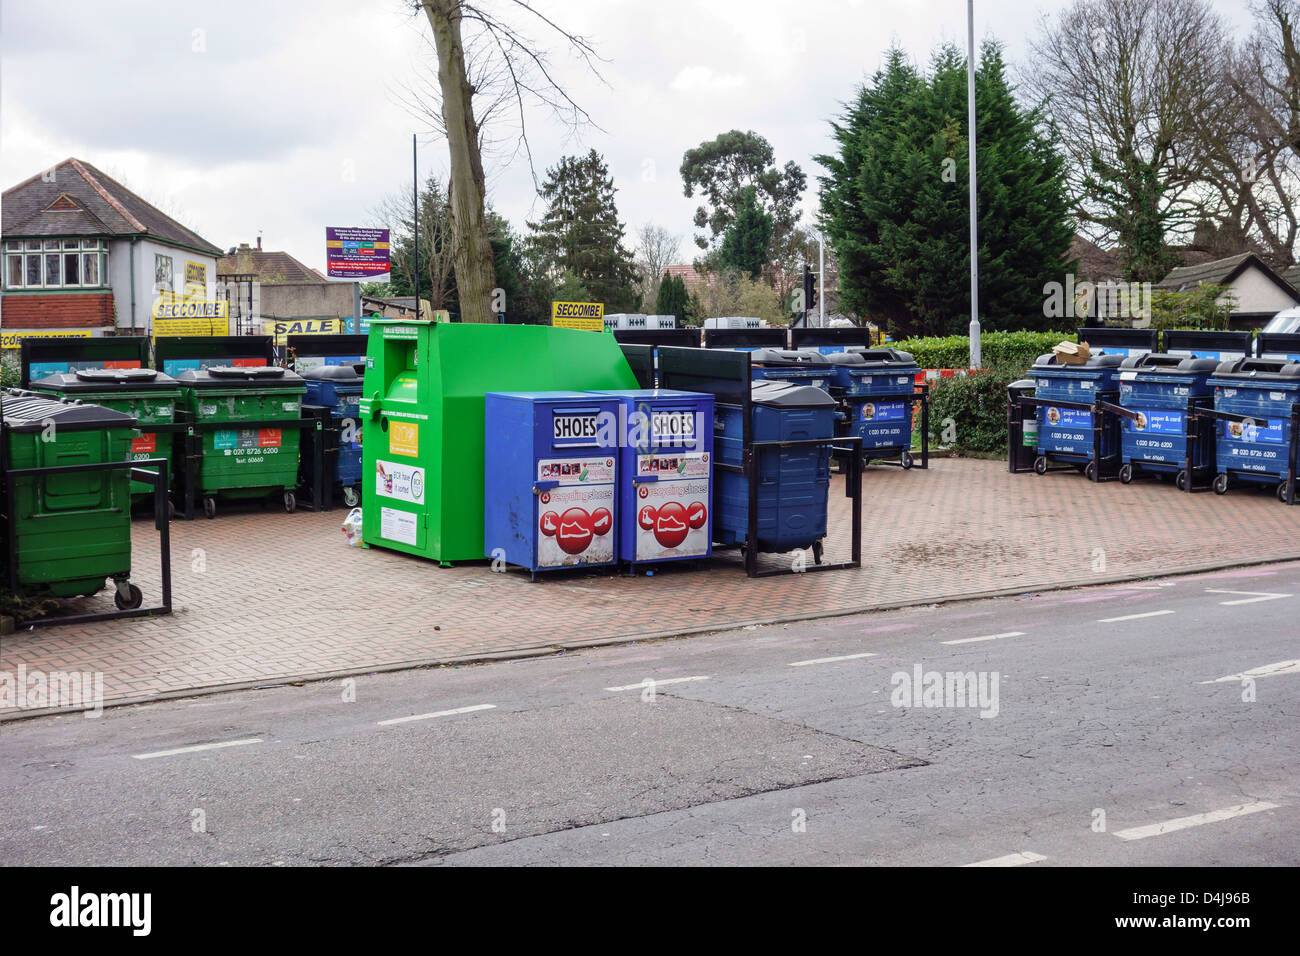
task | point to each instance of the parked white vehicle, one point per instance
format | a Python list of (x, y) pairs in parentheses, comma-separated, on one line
[(1286, 322)]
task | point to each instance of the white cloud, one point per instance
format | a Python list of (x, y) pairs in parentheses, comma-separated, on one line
[(692, 79)]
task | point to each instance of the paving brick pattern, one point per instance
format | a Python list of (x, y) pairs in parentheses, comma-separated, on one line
[(265, 596)]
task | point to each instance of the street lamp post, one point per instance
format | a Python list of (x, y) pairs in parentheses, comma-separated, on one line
[(974, 226)]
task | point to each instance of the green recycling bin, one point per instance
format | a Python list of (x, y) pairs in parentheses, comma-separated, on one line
[(72, 531), (147, 396), (244, 462)]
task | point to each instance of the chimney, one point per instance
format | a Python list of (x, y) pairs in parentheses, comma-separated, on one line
[(259, 242)]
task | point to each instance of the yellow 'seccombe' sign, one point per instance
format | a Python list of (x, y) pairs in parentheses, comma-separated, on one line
[(578, 315)]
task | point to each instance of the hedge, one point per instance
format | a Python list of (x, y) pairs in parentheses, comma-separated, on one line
[(977, 405), (1001, 351)]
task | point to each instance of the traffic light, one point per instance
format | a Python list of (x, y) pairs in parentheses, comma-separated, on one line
[(809, 288)]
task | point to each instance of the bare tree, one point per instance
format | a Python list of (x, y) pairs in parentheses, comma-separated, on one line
[(656, 250), (1126, 82), (437, 253), (490, 59)]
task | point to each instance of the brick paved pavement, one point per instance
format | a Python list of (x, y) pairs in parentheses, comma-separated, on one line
[(265, 596)]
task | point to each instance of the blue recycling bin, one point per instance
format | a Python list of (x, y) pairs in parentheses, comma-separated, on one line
[(1256, 451), (665, 487), (550, 479), (858, 380), (803, 366), (1161, 390), (793, 483), (1066, 434), (338, 389)]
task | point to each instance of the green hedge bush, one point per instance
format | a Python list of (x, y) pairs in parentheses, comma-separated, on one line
[(1000, 351), (977, 405)]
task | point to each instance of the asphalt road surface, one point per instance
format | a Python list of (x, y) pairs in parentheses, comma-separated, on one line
[(1101, 726)]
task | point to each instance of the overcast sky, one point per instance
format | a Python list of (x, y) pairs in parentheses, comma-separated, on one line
[(285, 116)]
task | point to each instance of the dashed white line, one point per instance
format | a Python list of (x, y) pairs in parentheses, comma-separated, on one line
[(987, 637), (437, 713), (1251, 597), (1265, 670), (1133, 617), (654, 681), (1012, 859), (830, 660), (197, 747), (1196, 820)]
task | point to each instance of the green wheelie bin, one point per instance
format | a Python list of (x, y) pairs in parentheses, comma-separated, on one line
[(147, 396), (238, 461), (71, 531)]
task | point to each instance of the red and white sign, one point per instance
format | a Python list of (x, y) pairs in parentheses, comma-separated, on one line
[(672, 519), (575, 521)]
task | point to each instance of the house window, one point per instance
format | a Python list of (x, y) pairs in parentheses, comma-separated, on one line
[(162, 273), (55, 264)]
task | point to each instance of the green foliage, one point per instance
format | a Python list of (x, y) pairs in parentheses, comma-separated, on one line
[(580, 232), (571, 289), (723, 168), (1194, 309), (977, 406), (746, 241), (528, 291), (1010, 352), (10, 369), (25, 608), (673, 299), (895, 201)]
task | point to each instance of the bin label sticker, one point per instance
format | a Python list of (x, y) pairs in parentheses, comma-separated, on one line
[(400, 526), (147, 442), (672, 426), (244, 438), (1069, 417), (674, 467), (1029, 433), (672, 519), (1163, 423), (574, 429), (398, 481), (576, 471), (884, 411), (290, 406), (575, 525), (207, 409), (403, 438), (1250, 432)]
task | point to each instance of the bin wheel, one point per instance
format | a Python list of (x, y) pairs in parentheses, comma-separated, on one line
[(171, 511), (818, 549), (1040, 465), (1281, 491), (210, 507), (351, 497), (1090, 471), (1126, 474), (1180, 482), (130, 603), (1220, 484), (290, 502), (906, 460)]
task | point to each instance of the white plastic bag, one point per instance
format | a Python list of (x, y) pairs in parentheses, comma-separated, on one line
[(352, 528)]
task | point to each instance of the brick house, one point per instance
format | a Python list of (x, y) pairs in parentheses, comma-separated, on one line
[(84, 253)]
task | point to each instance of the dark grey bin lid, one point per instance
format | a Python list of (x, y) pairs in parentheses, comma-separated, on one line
[(226, 376), (338, 374), (27, 412), (873, 358), (1095, 363), (1278, 369), (789, 395), (107, 380), (787, 357), (1164, 363)]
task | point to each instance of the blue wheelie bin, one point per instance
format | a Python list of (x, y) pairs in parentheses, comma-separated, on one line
[(1162, 391), (1066, 434), (337, 388), (858, 379), (1257, 449), (793, 483), (802, 366)]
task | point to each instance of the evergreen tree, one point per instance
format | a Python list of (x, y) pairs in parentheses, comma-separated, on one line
[(673, 299), (746, 241), (580, 233), (895, 202)]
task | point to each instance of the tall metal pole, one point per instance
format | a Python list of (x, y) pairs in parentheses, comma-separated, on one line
[(821, 280), (974, 222), (415, 196)]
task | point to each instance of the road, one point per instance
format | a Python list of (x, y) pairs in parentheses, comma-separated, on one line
[(1115, 728)]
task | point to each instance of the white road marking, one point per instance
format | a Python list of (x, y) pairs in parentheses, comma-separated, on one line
[(657, 683), (1012, 859), (197, 747), (830, 660), (1133, 617), (1252, 597), (1265, 670), (1196, 820), (990, 637), (438, 713)]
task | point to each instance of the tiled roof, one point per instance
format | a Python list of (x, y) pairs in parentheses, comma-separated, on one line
[(103, 207), (1214, 272), (266, 266)]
